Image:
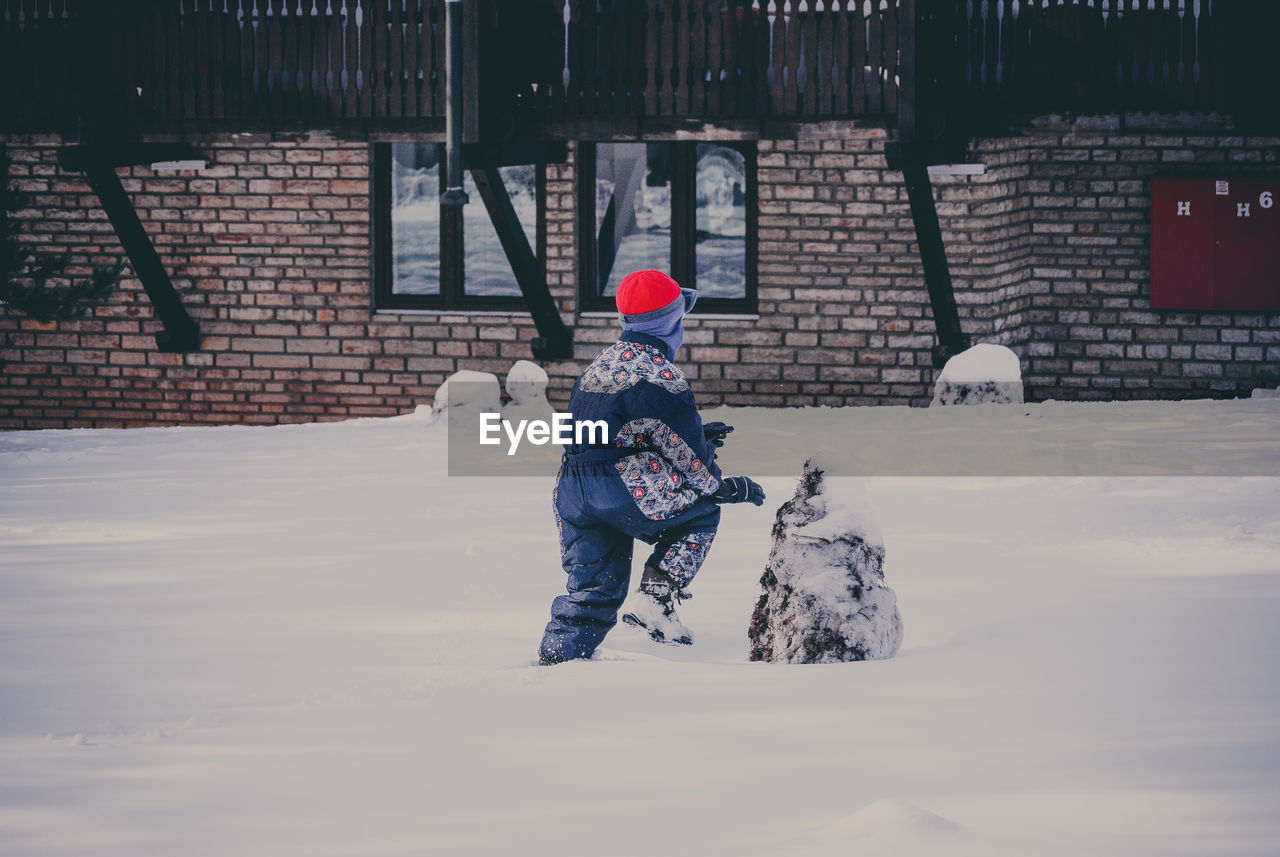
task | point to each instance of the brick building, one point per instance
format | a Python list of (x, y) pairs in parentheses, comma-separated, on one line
[(308, 258)]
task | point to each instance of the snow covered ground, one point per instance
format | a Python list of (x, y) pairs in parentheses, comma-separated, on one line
[(308, 640)]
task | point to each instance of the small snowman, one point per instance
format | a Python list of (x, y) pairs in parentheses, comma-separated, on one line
[(527, 389)]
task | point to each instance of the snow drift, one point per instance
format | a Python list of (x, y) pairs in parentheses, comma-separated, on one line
[(312, 640), (468, 392)]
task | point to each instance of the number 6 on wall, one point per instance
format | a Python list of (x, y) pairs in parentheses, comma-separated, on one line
[(1266, 200)]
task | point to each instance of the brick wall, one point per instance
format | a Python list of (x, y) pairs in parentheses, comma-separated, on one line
[(1089, 331), (270, 248)]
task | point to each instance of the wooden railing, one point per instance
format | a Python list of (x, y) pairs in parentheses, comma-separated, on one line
[(93, 66), (725, 58), (1093, 56), (37, 77), (315, 62), (322, 62)]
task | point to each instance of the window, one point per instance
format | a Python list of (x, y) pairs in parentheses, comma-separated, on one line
[(685, 208), (408, 180)]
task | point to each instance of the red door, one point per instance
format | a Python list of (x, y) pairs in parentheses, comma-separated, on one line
[(1215, 244), (1247, 269), (1182, 243)]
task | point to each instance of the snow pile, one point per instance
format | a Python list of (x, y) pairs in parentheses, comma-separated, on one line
[(825, 600), (1265, 393), (527, 388), (888, 818), (984, 374), (470, 392), (896, 828)]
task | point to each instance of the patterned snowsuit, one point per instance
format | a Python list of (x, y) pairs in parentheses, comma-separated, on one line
[(652, 483)]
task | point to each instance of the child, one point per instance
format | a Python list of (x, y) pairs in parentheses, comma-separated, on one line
[(657, 480)]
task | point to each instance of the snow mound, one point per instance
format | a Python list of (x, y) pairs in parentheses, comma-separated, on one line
[(527, 389), (895, 828), (1265, 393), (894, 819), (824, 598), (526, 382), (470, 391), (984, 374)]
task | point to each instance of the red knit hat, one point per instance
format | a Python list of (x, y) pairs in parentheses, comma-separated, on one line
[(645, 291)]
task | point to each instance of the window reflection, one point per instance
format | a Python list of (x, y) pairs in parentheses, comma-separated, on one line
[(633, 211), (415, 218), (721, 207), (487, 271), (415, 225)]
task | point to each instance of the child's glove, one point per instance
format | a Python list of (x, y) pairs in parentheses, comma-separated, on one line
[(739, 489), (715, 433)]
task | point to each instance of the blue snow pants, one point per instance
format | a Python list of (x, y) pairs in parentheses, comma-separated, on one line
[(598, 522)]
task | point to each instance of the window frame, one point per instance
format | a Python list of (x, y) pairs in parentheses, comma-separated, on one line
[(683, 262), (452, 294)]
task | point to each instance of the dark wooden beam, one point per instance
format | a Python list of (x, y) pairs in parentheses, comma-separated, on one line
[(554, 341), (933, 252), (477, 155), (180, 333)]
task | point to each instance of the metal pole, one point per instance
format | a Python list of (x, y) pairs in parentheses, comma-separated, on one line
[(454, 194)]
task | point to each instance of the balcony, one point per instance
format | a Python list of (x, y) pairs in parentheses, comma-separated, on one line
[(596, 69)]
